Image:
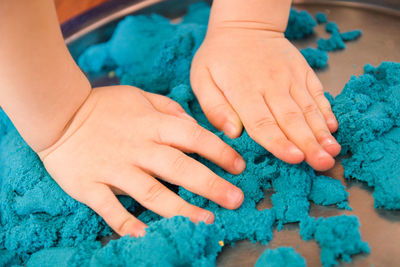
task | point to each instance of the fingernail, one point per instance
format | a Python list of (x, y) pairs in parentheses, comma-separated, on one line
[(207, 218), (229, 129), (331, 121), (142, 232), (187, 116), (295, 151), (239, 164), (329, 141), (235, 197), (139, 232), (322, 155)]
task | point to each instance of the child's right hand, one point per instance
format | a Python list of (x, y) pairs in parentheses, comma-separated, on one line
[(120, 139)]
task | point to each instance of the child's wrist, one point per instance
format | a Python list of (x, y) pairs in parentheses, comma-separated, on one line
[(41, 85), (63, 116), (43, 121), (76, 121), (268, 15)]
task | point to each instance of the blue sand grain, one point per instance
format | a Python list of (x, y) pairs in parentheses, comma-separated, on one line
[(280, 257), (333, 43), (321, 17), (351, 35), (331, 27)]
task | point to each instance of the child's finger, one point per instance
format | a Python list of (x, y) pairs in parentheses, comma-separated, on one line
[(177, 168), (153, 195), (192, 138), (262, 127), (292, 122), (214, 104), (102, 200), (315, 120), (315, 89), (166, 105)]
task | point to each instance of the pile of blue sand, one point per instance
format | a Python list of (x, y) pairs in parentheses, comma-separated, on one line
[(280, 257), (301, 24), (368, 111), (337, 236), (173, 242), (41, 222), (35, 213), (337, 39), (317, 58), (327, 191)]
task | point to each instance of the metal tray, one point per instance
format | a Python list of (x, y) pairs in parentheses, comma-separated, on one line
[(380, 42)]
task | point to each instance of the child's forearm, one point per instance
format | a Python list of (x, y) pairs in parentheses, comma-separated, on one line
[(41, 86), (259, 14)]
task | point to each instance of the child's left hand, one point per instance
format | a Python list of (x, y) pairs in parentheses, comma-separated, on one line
[(257, 77)]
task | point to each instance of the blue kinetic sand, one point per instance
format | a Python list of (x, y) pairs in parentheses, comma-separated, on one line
[(280, 257), (337, 39), (316, 58), (368, 110), (172, 242), (351, 35), (328, 191), (300, 25), (40, 224), (337, 236), (321, 17)]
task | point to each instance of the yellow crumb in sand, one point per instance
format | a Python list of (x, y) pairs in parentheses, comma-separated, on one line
[(111, 74)]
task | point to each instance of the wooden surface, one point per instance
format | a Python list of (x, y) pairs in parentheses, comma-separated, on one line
[(67, 9)]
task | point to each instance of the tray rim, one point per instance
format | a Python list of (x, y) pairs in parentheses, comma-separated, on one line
[(97, 17)]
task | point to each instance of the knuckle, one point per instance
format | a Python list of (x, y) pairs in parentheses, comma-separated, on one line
[(313, 80), (310, 109), (290, 117), (173, 106), (159, 135), (213, 184), (179, 164), (101, 203), (153, 192), (322, 133), (326, 109), (216, 110), (318, 94), (123, 226), (263, 123), (274, 74), (197, 133), (277, 142), (309, 142), (255, 135), (226, 153), (181, 208)]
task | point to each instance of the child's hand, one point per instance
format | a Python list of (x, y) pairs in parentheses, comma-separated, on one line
[(120, 139), (257, 77)]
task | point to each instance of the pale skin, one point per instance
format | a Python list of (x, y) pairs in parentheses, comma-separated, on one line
[(115, 140), (247, 73)]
